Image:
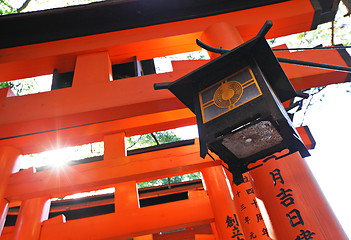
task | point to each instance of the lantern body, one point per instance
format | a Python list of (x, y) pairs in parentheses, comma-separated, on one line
[(237, 101)]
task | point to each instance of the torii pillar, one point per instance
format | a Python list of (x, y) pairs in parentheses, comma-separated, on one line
[(8, 164)]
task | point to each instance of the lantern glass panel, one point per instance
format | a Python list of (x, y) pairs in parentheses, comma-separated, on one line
[(228, 94)]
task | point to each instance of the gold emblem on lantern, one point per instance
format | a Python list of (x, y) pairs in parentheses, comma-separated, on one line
[(228, 94)]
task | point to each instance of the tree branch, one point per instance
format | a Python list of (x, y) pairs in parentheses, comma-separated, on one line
[(332, 33), (154, 137), (24, 5)]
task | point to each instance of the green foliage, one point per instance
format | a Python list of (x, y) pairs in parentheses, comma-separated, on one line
[(327, 34), (166, 181), (148, 140), (192, 56), (6, 8), (22, 87), (6, 84)]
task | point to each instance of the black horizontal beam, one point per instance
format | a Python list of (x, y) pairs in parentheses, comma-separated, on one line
[(109, 16)]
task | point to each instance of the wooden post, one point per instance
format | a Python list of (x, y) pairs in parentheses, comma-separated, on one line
[(218, 189), (223, 35), (32, 213), (9, 159), (126, 196), (294, 202), (249, 213), (114, 146)]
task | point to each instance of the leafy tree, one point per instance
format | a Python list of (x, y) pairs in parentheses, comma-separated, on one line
[(151, 139), (6, 84)]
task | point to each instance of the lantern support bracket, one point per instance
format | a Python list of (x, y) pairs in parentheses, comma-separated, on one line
[(282, 60)]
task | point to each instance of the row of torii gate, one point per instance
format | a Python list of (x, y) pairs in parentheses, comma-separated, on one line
[(280, 200)]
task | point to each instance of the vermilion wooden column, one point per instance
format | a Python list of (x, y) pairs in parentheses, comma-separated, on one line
[(218, 189), (294, 202), (249, 213), (32, 213), (9, 158), (126, 193), (214, 230), (223, 35), (126, 196), (114, 146), (226, 36)]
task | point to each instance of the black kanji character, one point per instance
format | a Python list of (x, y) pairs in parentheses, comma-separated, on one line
[(259, 217), (242, 207), (252, 235), (247, 220), (276, 176), (295, 214), (286, 199), (305, 235), (254, 202), (237, 233), (250, 191), (231, 221), (237, 193), (264, 232)]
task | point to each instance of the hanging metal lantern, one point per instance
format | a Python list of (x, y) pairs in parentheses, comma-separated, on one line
[(237, 102)]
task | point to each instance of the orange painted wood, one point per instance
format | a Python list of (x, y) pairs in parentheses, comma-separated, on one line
[(114, 146), (92, 176), (95, 132), (126, 196), (91, 69), (153, 219), (31, 215), (305, 137), (57, 110), (93, 103), (9, 161), (294, 201), (249, 213), (6, 92), (204, 237), (214, 36), (7, 233), (303, 77), (152, 41), (144, 237), (218, 188), (56, 220)]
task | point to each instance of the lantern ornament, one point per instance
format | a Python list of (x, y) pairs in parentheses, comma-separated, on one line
[(237, 102)]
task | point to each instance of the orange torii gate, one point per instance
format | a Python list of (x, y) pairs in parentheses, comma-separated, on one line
[(95, 108)]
